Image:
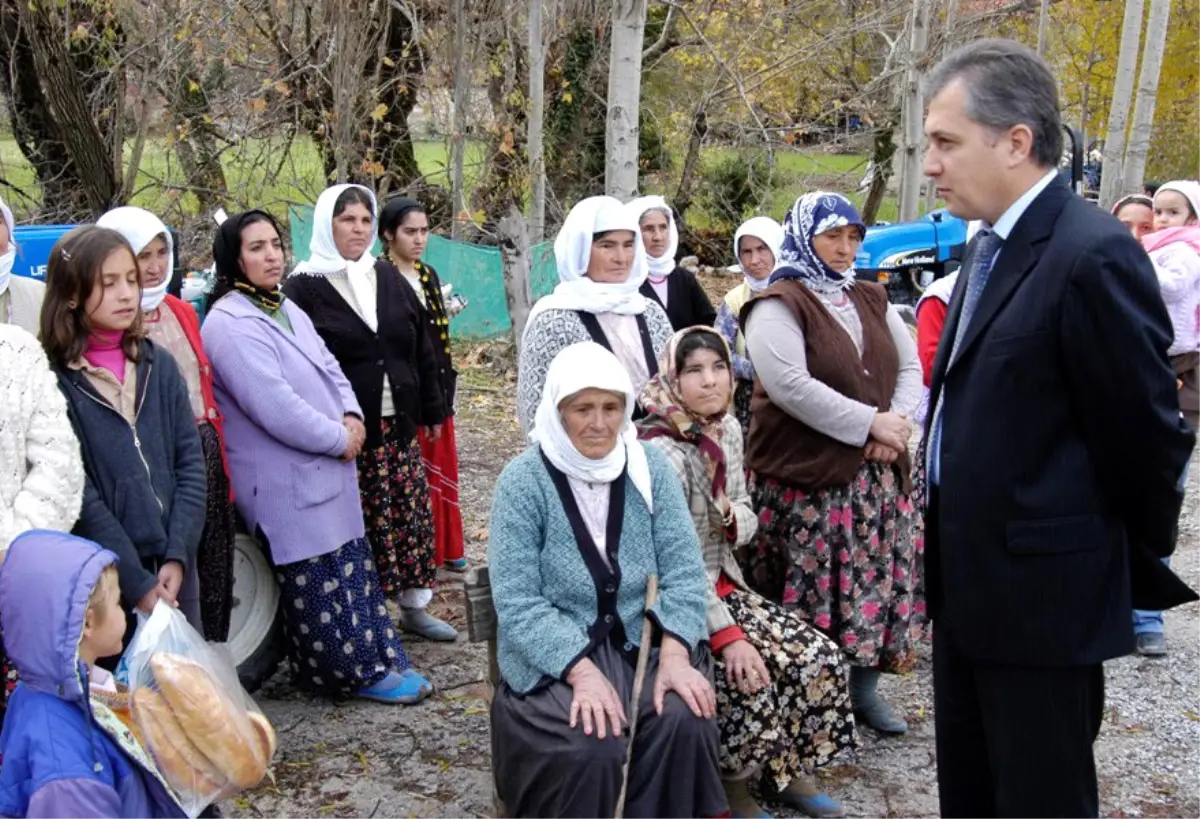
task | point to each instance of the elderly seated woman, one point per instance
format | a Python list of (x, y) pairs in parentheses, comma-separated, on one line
[(783, 707), (579, 523)]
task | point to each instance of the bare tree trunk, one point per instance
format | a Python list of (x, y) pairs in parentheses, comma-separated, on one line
[(65, 98), (462, 88), (197, 138), (686, 192), (1147, 93), (537, 113), (514, 251), (881, 160), (1043, 19), (1118, 110), (624, 98), (912, 114), (947, 47)]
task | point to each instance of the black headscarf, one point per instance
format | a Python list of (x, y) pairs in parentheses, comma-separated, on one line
[(227, 252), (394, 211)]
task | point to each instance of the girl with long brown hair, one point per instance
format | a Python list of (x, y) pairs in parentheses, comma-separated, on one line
[(145, 481)]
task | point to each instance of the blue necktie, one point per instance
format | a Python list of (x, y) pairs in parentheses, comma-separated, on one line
[(987, 245)]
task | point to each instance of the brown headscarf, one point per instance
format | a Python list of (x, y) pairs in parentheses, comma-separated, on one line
[(667, 414)]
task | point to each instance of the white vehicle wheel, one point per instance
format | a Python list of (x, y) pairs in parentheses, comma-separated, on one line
[(254, 623)]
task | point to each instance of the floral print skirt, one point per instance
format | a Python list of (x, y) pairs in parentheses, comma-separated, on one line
[(397, 512), (849, 559), (214, 560), (804, 718), (340, 638)]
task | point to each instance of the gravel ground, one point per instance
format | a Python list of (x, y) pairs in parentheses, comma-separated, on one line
[(360, 759)]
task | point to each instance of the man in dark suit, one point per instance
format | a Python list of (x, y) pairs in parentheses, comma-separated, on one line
[(1055, 448)]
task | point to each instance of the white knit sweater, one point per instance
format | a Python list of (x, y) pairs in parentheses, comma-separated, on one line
[(41, 473)]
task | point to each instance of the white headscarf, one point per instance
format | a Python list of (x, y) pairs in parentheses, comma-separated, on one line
[(582, 366), (664, 264), (770, 233), (324, 258), (1187, 188), (140, 227), (9, 254), (573, 251)]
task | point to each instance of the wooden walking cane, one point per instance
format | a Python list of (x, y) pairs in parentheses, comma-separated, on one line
[(639, 677)]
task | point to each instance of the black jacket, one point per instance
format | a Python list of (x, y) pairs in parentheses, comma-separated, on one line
[(440, 336), (144, 499), (687, 304), (401, 349), (1061, 447)]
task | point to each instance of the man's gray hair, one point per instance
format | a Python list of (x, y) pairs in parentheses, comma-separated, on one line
[(1006, 84)]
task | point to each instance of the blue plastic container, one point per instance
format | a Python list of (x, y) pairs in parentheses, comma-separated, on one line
[(34, 243)]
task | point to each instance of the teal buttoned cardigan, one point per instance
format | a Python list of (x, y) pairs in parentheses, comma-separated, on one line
[(555, 598)]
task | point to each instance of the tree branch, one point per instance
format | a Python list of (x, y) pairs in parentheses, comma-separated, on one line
[(666, 40)]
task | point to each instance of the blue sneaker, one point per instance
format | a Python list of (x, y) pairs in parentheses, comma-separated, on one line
[(398, 688), (821, 806), (460, 565)]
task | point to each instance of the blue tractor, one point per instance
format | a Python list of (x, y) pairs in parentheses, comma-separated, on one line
[(907, 257)]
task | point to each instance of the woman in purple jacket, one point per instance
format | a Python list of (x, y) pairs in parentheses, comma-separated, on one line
[(292, 432)]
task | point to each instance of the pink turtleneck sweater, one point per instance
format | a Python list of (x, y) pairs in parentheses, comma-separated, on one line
[(104, 350)]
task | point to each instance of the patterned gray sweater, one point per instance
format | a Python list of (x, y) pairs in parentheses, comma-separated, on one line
[(549, 333)]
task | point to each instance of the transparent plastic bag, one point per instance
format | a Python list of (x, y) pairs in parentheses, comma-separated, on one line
[(208, 738)]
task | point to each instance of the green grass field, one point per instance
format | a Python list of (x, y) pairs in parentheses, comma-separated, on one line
[(269, 173)]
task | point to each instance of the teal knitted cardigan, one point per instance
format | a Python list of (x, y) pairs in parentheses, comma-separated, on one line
[(548, 601)]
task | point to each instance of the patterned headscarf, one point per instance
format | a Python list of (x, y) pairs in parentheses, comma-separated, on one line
[(666, 414), (813, 214)]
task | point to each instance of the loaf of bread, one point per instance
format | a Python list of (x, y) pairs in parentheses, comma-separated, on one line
[(220, 728), (180, 761), (266, 735)]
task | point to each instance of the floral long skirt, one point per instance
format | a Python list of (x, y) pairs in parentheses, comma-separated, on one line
[(804, 718), (397, 512), (441, 465), (848, 559), (214, 561), (340, 638)]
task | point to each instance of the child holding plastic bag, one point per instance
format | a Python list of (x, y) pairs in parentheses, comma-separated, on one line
[(67, 746), (205, 733)]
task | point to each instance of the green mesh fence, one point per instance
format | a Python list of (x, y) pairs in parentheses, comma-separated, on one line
[(475, 271)]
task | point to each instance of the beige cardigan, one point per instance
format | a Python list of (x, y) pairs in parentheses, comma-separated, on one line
[(25, 297), (718, 551)]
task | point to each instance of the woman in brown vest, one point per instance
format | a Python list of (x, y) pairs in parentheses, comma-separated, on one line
[(838, 378)]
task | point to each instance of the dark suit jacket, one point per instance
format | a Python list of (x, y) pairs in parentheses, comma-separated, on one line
[(1061, 446), (687, 304)]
